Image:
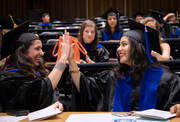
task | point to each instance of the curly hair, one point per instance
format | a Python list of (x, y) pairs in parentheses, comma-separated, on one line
[(20, 60), (88, 23), (139, 62)]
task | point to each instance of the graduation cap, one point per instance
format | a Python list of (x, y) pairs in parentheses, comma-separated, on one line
[(43, 14), (138, 14), (112, 12), (9, 22), (15, 38), (157, 15), (149, 37)]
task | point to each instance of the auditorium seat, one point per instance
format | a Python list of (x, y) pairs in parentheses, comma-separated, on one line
[(52, 41)]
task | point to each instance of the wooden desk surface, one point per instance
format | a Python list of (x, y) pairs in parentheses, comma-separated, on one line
[(63, 116)]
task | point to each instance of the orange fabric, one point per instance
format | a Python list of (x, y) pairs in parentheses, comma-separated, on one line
[(77, 48)]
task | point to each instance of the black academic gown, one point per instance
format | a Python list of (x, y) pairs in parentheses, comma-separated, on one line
[(97, 93), (22, 92), (99, 55), (166, 31)]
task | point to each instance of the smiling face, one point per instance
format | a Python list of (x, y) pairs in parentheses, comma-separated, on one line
[(88, 34), (112, 21), (35, 52), (124, 51)]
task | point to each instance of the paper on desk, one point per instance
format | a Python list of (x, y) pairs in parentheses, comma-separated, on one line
[(116, 118), (106, 117), (154, 113), (44, 113), (11, 118)]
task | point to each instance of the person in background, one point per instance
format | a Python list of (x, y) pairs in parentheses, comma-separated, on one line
[(45, 24), (142, 83), (164, 27), (25, 83), (112, 31), (171, 17), (7, 23), (139, 16), (88, 37), (165, 48)]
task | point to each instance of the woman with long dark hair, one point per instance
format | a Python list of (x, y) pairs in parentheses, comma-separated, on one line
[(137, 83), (24, 81), (112, 30)]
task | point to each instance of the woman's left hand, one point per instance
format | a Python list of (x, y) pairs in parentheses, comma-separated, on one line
[(58, 105), (156, 55), (175, 109), (88, 60)]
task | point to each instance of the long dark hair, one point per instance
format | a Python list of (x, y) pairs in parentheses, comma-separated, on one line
[(139, 62), (107, 27), (20, 60), (88, 23)]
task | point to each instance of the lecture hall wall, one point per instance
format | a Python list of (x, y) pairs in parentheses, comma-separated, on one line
[(70, 9)]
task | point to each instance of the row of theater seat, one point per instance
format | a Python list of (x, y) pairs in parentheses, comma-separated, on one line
[(112, 46)]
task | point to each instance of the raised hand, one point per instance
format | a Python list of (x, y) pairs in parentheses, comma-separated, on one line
[(65, 45)]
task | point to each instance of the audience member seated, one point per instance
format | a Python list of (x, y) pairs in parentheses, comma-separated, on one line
[(45, 24), (138, 16), (142, 83), (88, 37), (112, 30), (171, 17), (164, 27), (24, 81), (165, 48)]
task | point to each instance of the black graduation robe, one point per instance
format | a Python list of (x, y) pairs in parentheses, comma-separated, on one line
[(101, 54), (166, 31), (22, 92), (97, 92)]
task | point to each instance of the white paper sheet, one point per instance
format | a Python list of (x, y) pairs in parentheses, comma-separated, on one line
[(154, 113), (43, 113), (106, 117), (119, 118), (11, 118)]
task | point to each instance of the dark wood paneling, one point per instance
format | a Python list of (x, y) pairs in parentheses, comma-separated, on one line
[(98, 7), (164, 6), (70, 9), (14, 7), (66, 9)]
